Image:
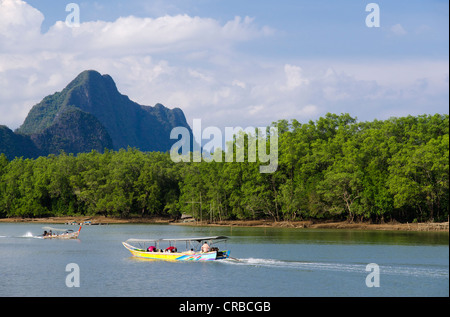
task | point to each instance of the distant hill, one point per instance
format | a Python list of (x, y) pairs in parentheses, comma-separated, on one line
[(12, 144), (90, 113)]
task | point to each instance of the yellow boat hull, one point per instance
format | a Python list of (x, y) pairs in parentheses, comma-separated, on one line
[(174, 256)]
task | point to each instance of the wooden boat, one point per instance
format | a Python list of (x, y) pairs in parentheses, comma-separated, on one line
[(192, 249), (56, 233)]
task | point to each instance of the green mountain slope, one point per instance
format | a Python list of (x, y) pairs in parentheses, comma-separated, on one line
[(12, 144), (73, 131), (90, 113)]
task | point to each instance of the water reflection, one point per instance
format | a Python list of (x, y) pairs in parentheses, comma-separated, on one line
[(338, 236)]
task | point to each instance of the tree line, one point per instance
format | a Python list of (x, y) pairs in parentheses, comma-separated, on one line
[(332, 168)]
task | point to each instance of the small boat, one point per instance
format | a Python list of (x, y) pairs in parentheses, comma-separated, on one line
[(193, 249), (56, 233)]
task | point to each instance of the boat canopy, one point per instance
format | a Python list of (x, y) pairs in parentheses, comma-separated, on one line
[(56, 229), (200, 239), (142, 240)]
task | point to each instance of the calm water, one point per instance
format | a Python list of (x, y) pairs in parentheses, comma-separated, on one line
[(272, 262)]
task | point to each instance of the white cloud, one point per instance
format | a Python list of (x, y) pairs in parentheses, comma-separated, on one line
[(398, 29), (17, 15), (133, 50), (294, 77), (126, 35), (19, 26), (239, 83), (194, 63), (167, 34)]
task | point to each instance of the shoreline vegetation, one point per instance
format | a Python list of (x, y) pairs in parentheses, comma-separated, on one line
[(332, 170), (308, 224)]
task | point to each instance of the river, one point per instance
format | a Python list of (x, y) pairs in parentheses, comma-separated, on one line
[(271, 262)]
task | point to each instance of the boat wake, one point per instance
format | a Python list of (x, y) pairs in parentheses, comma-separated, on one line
[(419, 271), (299, 265), (29, 235)]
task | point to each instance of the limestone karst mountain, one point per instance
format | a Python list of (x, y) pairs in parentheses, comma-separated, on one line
[(90, 113)]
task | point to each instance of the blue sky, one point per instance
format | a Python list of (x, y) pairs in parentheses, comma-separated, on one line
[(233, 63), (304, 28)]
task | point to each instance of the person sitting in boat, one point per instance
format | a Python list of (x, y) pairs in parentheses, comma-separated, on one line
[(171, 249), (205, 247), (151, 248), (45, 233)]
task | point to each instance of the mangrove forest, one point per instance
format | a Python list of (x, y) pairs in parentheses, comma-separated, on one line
[(333, 168)]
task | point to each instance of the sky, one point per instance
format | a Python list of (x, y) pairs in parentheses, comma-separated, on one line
[(232, 63)]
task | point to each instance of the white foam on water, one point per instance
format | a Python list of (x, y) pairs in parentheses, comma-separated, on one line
[(423, 271), (419, 271), (304, 265), (29, 235)]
